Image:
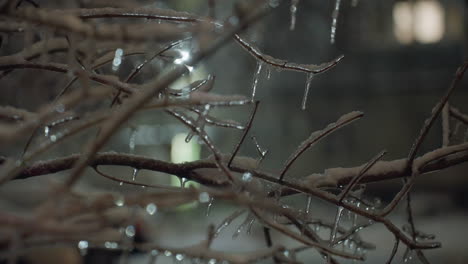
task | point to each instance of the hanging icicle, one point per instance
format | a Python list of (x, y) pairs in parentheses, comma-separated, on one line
[(335, 14), (258, 70), (117, 59), (334, 231), (293, 10), (134, 174), (310, 76)]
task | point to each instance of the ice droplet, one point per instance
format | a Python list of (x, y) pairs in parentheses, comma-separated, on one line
[(354, 3), (151, 208), (167, 253), (83, 247), (293, 10), (310, 76), (334, 231), (46, 131), (179, 257), (119, 201), (111, 245), (212, 261), (117, 59), (247, 177), (204, 197), (130, 231), (53, 138), (134, 174), (258, 70), (60, 108), (335, 14), (273, 3)]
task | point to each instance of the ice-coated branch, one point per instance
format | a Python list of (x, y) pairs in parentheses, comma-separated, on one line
[(319, 135), (283, 64)]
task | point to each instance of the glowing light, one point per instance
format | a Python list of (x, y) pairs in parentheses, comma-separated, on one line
[(403, 22), (429, 21), (422, 21)]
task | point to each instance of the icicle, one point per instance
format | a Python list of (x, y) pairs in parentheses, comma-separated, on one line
[(46, 131), (260, 151), (117, 59), (334, 20), (131, 142), (246, 223), (268, 73), (249, 228), (310, 76), (293, 10), (309, 201), (335, 225), (153, 256), (189, 137), (221, 228), (200, 123), (83, 247), (183, 181), (208, 207), (134, 174), (258, 70), (408, 256)]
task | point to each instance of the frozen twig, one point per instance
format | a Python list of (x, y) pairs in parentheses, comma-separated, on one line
[(319, 135), (244, 134)]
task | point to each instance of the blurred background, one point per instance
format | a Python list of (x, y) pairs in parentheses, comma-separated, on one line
[(399, 59)]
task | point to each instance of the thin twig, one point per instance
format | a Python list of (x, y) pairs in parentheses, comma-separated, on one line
[(244, 134), (358, 177)]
